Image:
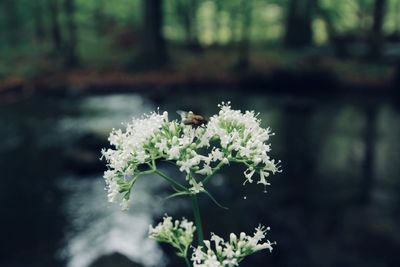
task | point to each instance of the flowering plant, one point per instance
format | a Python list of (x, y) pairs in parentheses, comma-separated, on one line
[(199, 152)]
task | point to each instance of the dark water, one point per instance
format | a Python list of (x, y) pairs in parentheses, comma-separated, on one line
[(335, 204)]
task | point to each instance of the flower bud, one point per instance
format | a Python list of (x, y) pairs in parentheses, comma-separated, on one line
[(233, 238)]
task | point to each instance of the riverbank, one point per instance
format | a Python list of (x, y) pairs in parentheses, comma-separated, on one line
[(279, 81), (272, 71)]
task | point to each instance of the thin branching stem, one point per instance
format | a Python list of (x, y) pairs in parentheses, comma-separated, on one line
[(169, 179), (197, 220)]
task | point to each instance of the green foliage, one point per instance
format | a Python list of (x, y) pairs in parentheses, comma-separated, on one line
[(110, 33)]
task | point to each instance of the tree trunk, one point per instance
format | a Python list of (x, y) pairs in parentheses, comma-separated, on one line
[(369, 157), (362, 15), (187, 11), (38, 20), (398, 19), (244, 44), (377, 38), (99, 17), (71, 58), (299, 23), (12, 22), (55, 25), (154, 48), (2, 26)]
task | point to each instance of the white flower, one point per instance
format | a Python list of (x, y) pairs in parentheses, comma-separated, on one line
[(241, 135), (216, 154), (178, 234), (263, 174), (174, 152), (188, 226), (162, 145), (216, 239), (248, 173), (232, 252), (230, 136), (212, 261), (198, 256), (207, 170), (111, 186), (125, 204), (230, 262), (228, 251), (197, 187), (165, 115)]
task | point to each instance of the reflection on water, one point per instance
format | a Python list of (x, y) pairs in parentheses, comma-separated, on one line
[(98, 228), (91, 219), (99, 114), (335, 204)]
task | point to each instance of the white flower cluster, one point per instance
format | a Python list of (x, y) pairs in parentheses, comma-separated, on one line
[(178, 234), (230, 253), (242, 140), (132, 149), (199, 152)]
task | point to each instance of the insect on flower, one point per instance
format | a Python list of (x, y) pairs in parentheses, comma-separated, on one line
[(189, 118)]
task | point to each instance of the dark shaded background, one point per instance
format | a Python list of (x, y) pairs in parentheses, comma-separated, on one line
[(324, 75)]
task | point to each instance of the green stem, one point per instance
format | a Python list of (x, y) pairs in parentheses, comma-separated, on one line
[(169, 179), (197, 220), (241, 161), (187, 262)]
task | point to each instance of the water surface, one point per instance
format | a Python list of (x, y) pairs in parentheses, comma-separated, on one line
[(335, 204)]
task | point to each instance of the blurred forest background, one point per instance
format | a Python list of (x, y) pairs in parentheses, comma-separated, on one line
[(355, 41), (324, 75)]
